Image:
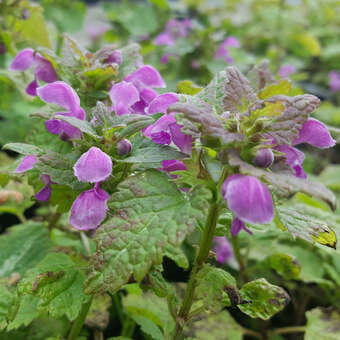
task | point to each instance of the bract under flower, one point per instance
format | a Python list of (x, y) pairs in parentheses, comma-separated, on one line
[(89, 208), (248, 198), (93, 166)]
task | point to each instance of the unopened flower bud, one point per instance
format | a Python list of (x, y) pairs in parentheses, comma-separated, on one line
[(124, 147), (264, 158)]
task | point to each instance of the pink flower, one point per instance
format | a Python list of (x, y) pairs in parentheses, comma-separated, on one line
[(43, 69), (334, 81)]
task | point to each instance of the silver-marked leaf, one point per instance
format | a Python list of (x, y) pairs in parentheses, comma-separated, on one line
[(260, 75), (264, 299), (148, 213), (300, 222), (285, 185), (58, 283), (204, 115), (285, 127), (219, 326), (83, 125), (60, 169), (239, 94), (217, 288), (23, 148), (132, 59), (323, 323)]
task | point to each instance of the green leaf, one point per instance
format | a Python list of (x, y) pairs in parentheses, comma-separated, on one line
[(58, 283), (23, 148), (133, 124), (162, 4), (82, 125), (285, 265), (60, 169), (330, 177), (23, 247), (148, 327), (219, 326), (34, 28), (25, 312), (177, 254), (132, 59), (217, 288), (188, 87), (323, 323), (148, 213), (264, 299), (6, 300), (149, 306), (144, 150), (309, 42), (283, 87), (300, 222), (98, 316)]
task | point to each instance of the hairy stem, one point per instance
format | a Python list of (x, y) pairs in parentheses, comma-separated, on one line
[(239, 258), (79, 322), (202, 256), (288, 330)]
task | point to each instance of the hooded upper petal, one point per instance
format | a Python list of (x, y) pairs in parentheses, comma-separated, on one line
[(146, 76), (31, 88), (248, 198), (89, 209), (26, 164), (23, 60), (184, 142), (44, 70), (123, 95), (162, 102), (315, 133), (93, 166), (60, 93)]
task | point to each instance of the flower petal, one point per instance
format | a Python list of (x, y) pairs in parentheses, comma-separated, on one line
[(44, 70), (172, 165), (89, 209), (164, 38), (294, 158), (124, 147), (123, 95), (248, 198), (264, 158), (45, 193), (315, 133), (146, 76), (237, 225), (26, 164), (93, 166), (61, 94), (223, 249), (23, 60), (162, 102), (184, 142), (31, 88)]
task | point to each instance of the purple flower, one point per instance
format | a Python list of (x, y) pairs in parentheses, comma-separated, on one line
[(124, 147), (334, 81), (123, 95), (43, 69), (294, 158), (26, 164), (96, 30), (115, 57), (89, 208), (167, 130), (62, 94), (135, 92), (162, 102), (224, 47), (174, 29), (315, 133), (223, 249), (45, 193), (93, 166), (264, 158), (172, 165), (249, 199), (286, 70)]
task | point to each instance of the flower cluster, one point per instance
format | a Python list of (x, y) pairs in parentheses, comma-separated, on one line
[(43, 69)]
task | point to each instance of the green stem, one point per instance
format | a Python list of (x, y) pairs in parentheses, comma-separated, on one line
[(79, 322), (239, 258), (288, 330), (204, 249)]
